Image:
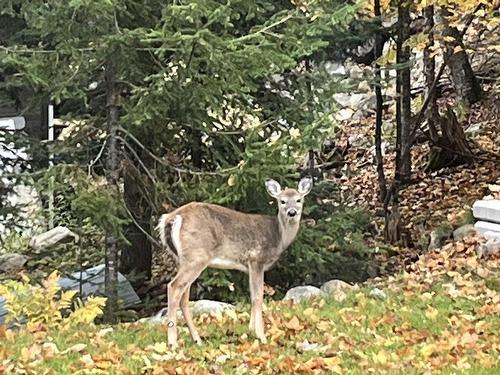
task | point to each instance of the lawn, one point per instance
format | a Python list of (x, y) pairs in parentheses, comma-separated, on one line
[(442, 316)]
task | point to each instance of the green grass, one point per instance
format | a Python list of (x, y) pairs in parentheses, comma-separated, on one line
[(422, 326)]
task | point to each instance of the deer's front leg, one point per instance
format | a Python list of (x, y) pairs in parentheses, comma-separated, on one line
[(256, 273)]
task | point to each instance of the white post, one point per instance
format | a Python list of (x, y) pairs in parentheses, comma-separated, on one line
[(50, 138)]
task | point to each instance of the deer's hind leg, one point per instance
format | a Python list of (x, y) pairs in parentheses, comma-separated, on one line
[(188, 317), (186, 275)]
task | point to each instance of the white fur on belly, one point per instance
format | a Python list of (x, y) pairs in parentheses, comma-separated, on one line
[(227, 264)]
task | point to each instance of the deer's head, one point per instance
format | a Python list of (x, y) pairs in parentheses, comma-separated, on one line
[(290, 201)]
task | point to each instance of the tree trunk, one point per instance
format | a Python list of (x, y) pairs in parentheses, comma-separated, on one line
[(111, 253), (393, 224), (405, 98), (432, 114), (451, 147), (136, 257), (379, 109), (464, 80)]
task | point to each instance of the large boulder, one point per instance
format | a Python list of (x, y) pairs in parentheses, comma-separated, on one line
[(52, 237), (491, 246), (439, 237), (465, 230), (337, 289), (12, 263), (206, 306), (333, 286), (302, 293)]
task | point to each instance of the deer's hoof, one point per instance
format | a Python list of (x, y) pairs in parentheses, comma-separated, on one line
[(262, 339), (173, 345)]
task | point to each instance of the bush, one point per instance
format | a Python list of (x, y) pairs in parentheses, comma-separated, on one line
[(47, 305)]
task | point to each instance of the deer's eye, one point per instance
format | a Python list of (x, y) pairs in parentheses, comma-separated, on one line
[(299, 200), (283, 201)]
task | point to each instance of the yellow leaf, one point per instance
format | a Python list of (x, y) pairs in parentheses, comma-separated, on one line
[(427, 350), (333, 364), (380, 358), (160, 347), (294, 324), (431, 313)]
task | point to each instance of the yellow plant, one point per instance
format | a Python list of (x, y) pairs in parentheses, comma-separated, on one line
[(45, 303)]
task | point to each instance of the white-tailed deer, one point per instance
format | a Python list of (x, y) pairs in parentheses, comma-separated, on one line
[(206, 235)]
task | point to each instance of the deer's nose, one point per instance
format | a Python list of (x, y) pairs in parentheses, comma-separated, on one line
[(292, 212)]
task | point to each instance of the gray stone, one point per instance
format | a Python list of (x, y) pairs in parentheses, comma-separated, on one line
[(491, 247), (302, 293), (335, 285), (160, 317), (52, 237), (93, 284), (487, 210), (343, 99), (438, 238), (12, 263), (484, 226), (358, 140), (465, 230), (378, 293), (473, 129), (344, 114), (355, 72), (205, 306)]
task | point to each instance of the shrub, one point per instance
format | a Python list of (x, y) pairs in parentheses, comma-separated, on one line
[(46, 304)]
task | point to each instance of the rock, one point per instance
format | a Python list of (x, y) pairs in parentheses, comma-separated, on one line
[(335, 285), (487, 210), (301, 293), (358, 140), (490, 248), (490, 235), (463, 231), (482, 227), (52, 237), (337, 289), (160, 317), (343, 99), (378, 293), (12, 263), (364, 86), (355, 72), (205, 306), (438, 237), (474, 129), (344, 114), (334, 68)]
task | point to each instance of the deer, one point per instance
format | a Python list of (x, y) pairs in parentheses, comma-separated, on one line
[(207, 235)]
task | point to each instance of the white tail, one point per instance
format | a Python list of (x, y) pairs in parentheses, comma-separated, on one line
[(206, 235)]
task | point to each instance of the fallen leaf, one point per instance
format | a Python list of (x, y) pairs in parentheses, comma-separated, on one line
[(294, 324)]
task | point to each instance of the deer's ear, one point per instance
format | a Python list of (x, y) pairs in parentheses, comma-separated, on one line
[(305, 185), (273, 188)]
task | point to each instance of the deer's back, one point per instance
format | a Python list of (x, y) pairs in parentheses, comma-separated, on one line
[(224, 233)]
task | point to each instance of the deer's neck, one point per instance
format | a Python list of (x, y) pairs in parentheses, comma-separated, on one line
[(288, 231)]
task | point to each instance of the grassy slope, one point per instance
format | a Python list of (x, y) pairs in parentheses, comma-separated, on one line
[(443, 316)]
